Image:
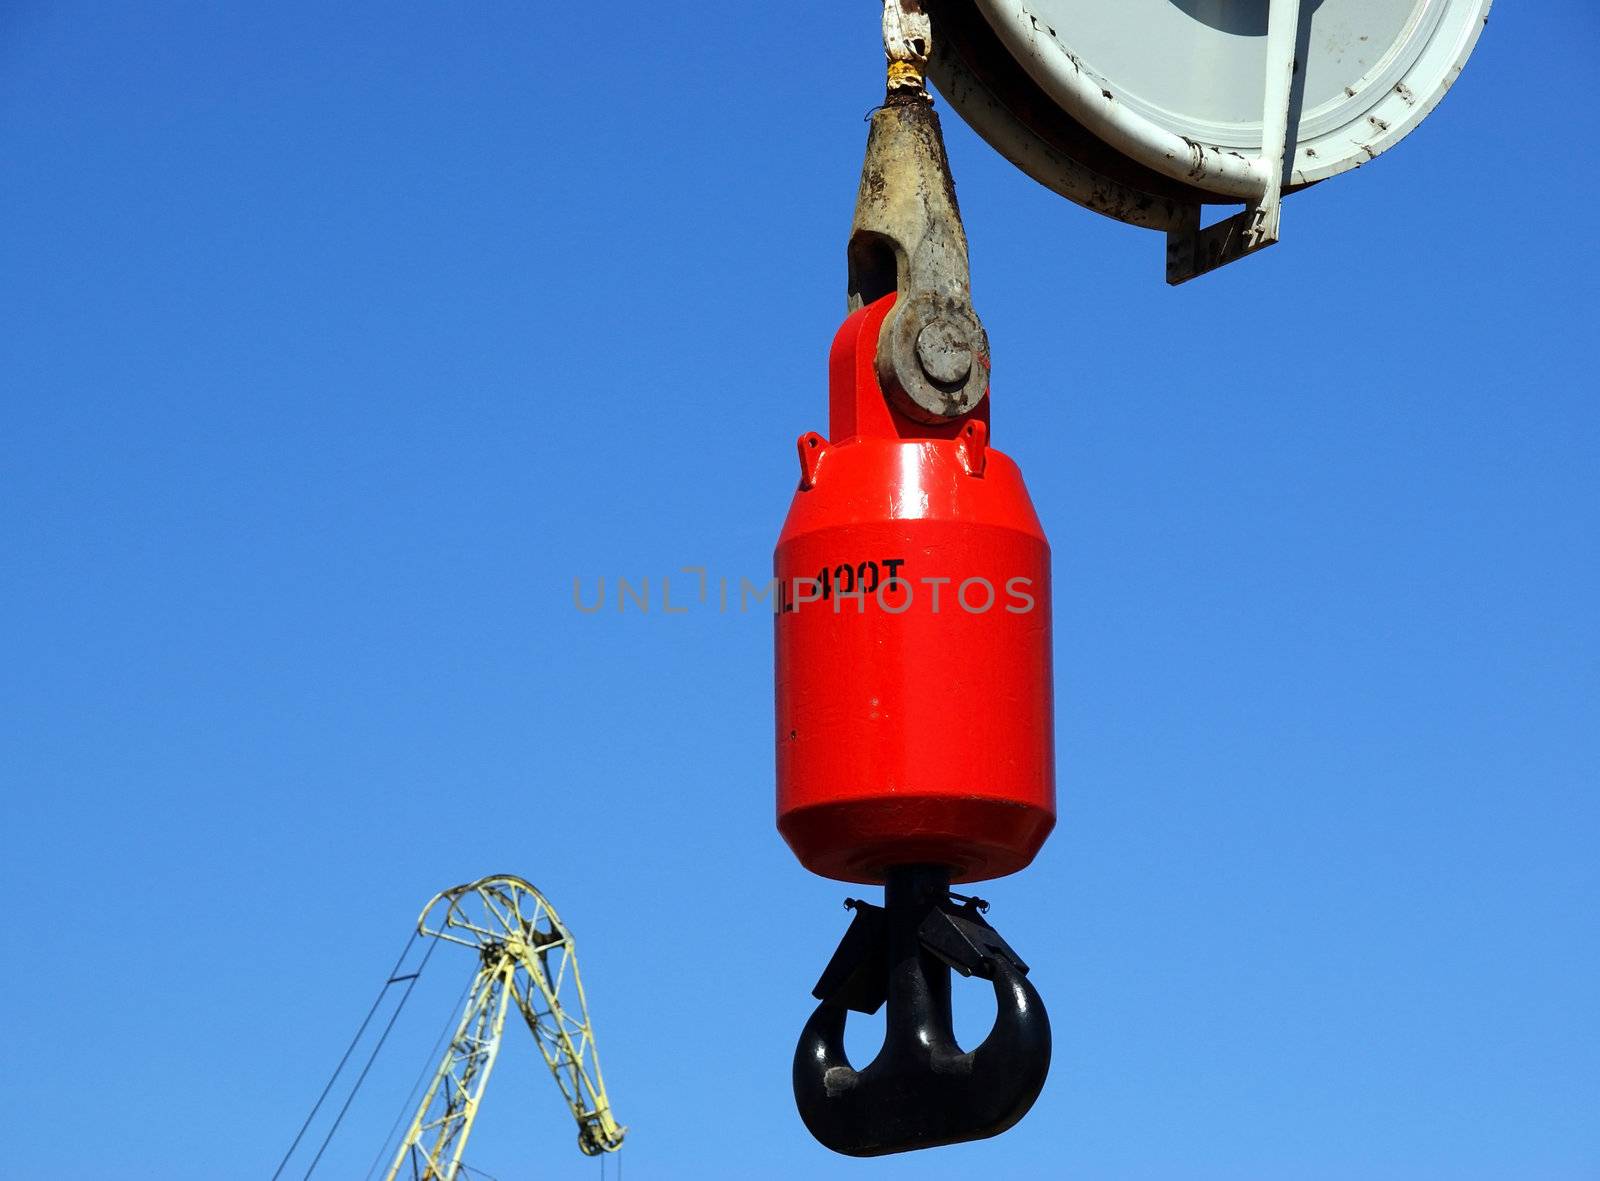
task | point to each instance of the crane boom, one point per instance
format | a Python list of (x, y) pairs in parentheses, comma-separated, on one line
[(527, 959)]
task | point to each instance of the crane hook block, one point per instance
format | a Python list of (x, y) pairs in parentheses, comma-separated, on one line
[(921, 1090), (914, 707)]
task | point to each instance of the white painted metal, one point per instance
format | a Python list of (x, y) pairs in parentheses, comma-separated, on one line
[(1180, 86), (1283, 26), (1193, 251)]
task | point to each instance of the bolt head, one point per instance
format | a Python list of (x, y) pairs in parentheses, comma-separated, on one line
[(945, 352)]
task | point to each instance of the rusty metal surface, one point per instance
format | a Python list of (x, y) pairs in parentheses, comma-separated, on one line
[(972, 70), (1193, 251), (907, 40), (907, 238)]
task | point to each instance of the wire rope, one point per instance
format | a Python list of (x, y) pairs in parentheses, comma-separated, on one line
[(428, 1066), (350, 1049), (411, 983)]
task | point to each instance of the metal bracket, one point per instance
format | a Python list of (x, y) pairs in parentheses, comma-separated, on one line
[(1193, 251)]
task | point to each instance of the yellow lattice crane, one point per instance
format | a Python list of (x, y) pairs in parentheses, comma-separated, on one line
[(526, 958)]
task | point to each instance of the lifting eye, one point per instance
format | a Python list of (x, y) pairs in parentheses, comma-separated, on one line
[(874, 269)]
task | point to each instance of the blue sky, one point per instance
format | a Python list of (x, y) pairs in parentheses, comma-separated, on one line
[(340, 340)]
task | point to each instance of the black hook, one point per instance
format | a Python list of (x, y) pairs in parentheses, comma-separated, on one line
[(921, 1090)]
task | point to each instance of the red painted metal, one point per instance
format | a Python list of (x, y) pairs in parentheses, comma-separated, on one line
[(914, 710)]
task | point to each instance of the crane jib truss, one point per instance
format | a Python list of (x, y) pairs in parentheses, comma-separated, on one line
[(526, 959)]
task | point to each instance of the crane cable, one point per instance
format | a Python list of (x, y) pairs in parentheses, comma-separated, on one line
[(428, 1066), (394, 977), (411, 982)]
